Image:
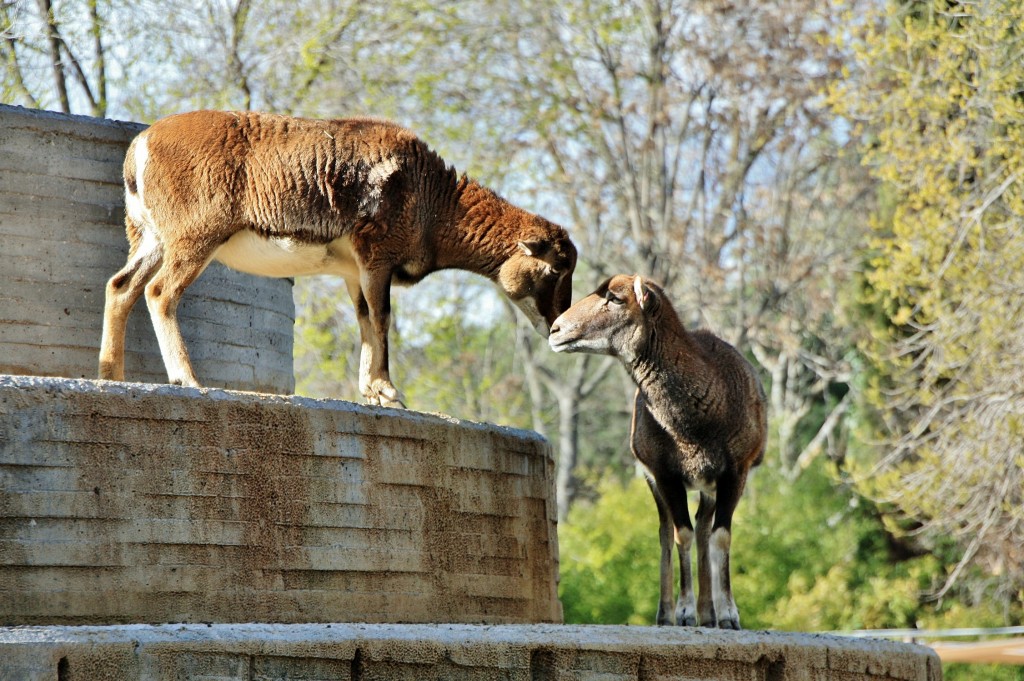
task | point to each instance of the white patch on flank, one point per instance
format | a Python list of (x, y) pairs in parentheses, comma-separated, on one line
[(278, 256), (647, 472), (380, 172), (376, 178), (149, 244)]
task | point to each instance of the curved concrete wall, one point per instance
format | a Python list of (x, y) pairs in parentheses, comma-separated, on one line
[(347, 652), (130, 503), (61, 238)]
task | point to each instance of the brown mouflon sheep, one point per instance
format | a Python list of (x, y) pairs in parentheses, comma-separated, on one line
[(279, 196), (699, 423)]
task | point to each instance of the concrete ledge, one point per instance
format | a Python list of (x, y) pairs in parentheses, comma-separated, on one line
[(343, 652), (131, 503), (63, 236)]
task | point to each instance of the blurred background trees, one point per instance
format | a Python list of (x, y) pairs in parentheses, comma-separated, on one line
[(833, 187), (938, 100)]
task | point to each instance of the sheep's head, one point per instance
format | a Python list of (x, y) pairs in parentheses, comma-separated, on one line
[(613, 320), (537, 277)]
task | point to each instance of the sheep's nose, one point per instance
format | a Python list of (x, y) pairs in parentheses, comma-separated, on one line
[(554, 328)]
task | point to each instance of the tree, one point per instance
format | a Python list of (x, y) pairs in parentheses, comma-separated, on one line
[(172, 55), (683, 140), (687, 141), (67, 39), (266, 55), (935, 93)]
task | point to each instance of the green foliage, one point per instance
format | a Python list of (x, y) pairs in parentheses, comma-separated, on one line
[(982, 672), (609, 556), (935, 94), (811, 555), (458, 363), (326, 351), (808, 555)]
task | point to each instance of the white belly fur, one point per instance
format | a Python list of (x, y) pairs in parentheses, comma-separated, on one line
[(249, 252)]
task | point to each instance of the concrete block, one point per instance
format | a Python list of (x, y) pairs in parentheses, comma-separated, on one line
[(130, 503), (451, 651)]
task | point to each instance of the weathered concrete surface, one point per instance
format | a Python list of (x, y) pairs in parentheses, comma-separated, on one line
[(127, 503), (343, 652), (62, 236)]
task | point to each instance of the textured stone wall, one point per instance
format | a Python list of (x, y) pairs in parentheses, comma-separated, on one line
[(128, 503), (62, 236), (346, 652)]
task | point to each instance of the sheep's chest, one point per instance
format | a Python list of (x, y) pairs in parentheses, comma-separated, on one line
[(673, 462)]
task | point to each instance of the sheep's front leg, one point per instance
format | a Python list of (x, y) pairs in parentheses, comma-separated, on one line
[(729, 489), (675, 528), (686, 606), (705, 598), (725, 604), (372, 299)]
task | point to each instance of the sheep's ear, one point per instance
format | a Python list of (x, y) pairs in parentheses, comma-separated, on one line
[(646, 298), (532, 248)]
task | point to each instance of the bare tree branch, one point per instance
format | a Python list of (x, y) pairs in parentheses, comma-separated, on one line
[(56, 65), (9, 50)]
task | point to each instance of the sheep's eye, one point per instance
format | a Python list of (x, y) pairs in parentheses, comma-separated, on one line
[(612, 298)]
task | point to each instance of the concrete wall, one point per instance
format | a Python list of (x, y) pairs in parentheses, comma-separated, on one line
[(130, 503), (61, 238), (346, 652)]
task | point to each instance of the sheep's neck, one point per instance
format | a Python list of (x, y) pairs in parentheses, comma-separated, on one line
[(481, 233), (674, 379)]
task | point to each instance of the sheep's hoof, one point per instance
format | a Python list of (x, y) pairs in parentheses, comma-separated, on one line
[(385, 401), (384, 396), (729, 624), (664, 618), (686, 612)]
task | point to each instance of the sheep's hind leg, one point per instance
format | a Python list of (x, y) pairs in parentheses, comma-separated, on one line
[(123, 291), (665, 566), (163, 293)]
